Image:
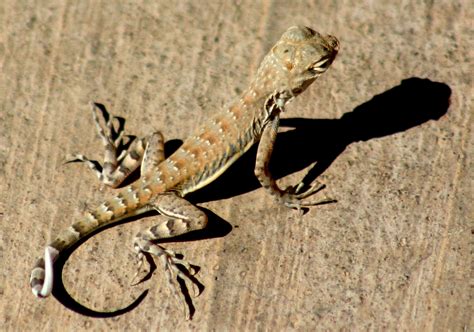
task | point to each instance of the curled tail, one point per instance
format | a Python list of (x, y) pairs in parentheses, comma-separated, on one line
[(125, 204), (41, 279)]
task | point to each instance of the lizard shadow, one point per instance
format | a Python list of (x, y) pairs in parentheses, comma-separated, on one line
[(321, 141), (217, 227), (400, 108)]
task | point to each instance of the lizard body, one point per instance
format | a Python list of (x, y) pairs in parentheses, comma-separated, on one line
[(297, 59)]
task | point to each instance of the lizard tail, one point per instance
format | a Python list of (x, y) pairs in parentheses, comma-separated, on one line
[(41, 279), (125, 204)]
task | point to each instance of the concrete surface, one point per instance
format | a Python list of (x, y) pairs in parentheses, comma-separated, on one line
[(394, 252)]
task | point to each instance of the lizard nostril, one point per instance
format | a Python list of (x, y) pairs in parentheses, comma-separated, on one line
[(333, 42)]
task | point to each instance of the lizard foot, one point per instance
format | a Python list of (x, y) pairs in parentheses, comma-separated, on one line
[(293, 196), (120, 157), (177, 270)]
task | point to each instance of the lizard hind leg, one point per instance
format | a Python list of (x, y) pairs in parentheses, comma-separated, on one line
[(182, 217), (120, 158)]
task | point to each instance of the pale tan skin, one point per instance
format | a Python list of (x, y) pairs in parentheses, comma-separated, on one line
[(297, 59)]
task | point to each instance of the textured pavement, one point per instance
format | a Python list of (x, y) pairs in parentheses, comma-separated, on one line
[(389, 125)]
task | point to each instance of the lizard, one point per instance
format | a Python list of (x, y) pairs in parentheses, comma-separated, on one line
[(293, 63)]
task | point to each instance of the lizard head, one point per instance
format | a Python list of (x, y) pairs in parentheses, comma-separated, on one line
[(297, 59)]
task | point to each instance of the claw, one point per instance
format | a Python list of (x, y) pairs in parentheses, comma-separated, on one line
[(141, 259), (118, 140), (293, 196)]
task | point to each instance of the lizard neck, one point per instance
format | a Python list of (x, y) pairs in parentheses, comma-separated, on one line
[(263, 102), (264, 88)]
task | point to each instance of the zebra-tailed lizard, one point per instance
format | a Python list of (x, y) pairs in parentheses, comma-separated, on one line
[(297, 59)]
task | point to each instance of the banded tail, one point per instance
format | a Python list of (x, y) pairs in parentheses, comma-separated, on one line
[(128, 202)]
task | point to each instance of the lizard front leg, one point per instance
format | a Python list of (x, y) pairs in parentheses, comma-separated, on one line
[(292, 196), (182, 217)]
